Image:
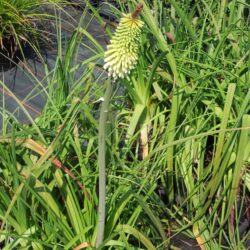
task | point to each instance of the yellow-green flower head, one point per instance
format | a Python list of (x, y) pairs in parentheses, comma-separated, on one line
[(122, 53)]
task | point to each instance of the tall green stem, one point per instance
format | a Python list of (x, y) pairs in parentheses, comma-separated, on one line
[(102, 163)]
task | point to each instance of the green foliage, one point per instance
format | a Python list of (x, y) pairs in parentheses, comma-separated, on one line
[(20, 21), (179, 123)]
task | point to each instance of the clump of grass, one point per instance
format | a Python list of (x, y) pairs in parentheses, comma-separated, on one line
[(197, 85), (18, 24)]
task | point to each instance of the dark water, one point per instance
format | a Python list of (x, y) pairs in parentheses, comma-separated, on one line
[(18, 75)]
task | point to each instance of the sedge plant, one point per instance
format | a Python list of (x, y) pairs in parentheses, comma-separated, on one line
[(21, 26)]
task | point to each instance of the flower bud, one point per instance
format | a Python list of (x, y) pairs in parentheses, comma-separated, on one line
[(122, 53)]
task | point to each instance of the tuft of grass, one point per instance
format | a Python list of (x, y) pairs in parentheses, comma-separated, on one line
[(20, 23)]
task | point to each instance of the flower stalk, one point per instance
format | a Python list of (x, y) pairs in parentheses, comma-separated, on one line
[(102, 163), (120, 58)]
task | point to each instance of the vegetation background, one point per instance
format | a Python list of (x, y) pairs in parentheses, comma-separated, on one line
[(176, 135)]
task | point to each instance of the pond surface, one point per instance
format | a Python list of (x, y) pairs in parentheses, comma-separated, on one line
[(21, 91)]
